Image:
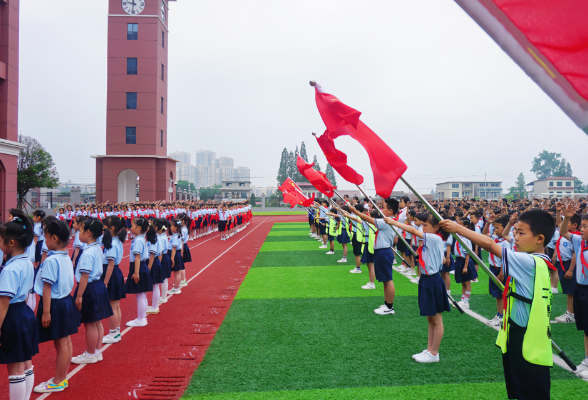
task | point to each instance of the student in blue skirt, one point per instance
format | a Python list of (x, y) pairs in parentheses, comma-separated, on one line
[(161, 227), (177, 264), (432, 295), (465, 270), (139, 279), (38, 217), (19, 336), (112, 276), (78, 245), (383, 254), (448, 263), (186, 255), (91, 296), (343, 233), (57, 316), (154, 264)]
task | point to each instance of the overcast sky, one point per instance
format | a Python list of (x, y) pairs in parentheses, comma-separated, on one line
[(427, 79)]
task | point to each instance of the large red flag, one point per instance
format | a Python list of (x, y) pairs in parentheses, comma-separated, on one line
[(341, 119), (316, 178), (295, 194)]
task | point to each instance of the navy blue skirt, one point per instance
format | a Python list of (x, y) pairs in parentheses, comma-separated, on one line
[(156, 272), (19, 335), (433, 297), (128, 223), (77, 260), (383, 261), (166, 265), (343, 237), (186, 257), (144, 284), (95, 302), (366, 257), (38, 251), (65, 319), (116, 285), (448, 267), (568, 286), (460, 277), (178, 263)]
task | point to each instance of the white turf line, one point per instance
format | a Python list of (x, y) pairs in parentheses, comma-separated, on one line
[(556, 359), (79, 367)]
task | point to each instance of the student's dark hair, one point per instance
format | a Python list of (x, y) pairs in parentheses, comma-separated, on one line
[(360, 208), (406, 199), (142, 223), (467, 223), (375, 213), (325, 202), (503, 220), (20, 229), (345, 208), (151, 235), (40, 214), (80, 218), (430, 218), (59, 229), (392, 205), (476, 214), (576, 220), (119, 225), (48, 220), (333, 210), (585, 217), (177, 223), (365, 199), (356, 198), (160, 224), (540, 223), (96, 228)]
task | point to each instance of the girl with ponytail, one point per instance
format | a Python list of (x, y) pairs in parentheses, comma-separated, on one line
[(155, 270), (139, 279), (177, 263), (112, 276), (161, 227)]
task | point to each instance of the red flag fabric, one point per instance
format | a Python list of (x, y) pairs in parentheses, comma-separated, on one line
[(288, 198), (387, 167), (338, 160), (316, 178), (291, 188)]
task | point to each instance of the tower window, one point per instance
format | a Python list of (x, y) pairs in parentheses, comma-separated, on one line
[(162, 138), (131, 135), (131, 100), (132, 31), (163, 39), (162, 105), (162, 71), (131, 66)]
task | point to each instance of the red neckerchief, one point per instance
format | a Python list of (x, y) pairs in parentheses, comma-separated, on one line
[(557, 249), (497, 240), (505, 298), (583, 248), (420, 251)]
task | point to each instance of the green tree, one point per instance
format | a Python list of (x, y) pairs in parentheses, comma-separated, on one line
[(303, 152), (316, 164), (518, 191), (208, 193), (331, 175), (35, 169), (292, 165), (189, 186), (295, 174), (579, 187), (546, 164), (283, 170), (253, 200)]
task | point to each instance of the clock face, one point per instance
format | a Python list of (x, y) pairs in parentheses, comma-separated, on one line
[(163, 10), (133, 7)]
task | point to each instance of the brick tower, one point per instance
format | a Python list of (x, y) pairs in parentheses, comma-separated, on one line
[(136, 115)]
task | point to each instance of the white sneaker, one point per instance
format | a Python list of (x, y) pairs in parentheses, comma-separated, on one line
[(151, 310), (369, 285), (414, 356), (175, 291), (583, 366), (343, 260), (183, 283), (324, 246), (427, 358), (475, 280), (566, 318), (98, 355), (554, 290), (464, 305), (110, 338), (496, 321), (384, 310), (329, 252), (137, 323), (452, 272), (402, 269), (162, 300), (84, 359), (417, 279), (356, 271)]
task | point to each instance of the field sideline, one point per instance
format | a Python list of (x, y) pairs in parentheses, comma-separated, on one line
[(301, 327)]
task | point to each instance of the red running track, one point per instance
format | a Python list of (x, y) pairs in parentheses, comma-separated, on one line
[(157, 361)]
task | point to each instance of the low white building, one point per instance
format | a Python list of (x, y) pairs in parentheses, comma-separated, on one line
[(471, 189), (235, 190), (557, 186)]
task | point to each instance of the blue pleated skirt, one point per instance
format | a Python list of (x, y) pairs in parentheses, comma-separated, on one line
[(178, 263), (144, 285), (95, 302), (77, 260), (450, 266), (187, 256), (19, 335), (116, 287), (343, 237), (38, 251), (366, 257), (156, 272), (166, 265), (460, 277), (432, 295), (65, 319)]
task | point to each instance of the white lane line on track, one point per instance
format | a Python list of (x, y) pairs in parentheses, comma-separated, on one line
[(81, 366)]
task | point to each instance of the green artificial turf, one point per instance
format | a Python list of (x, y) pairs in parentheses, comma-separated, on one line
[(301, 327)]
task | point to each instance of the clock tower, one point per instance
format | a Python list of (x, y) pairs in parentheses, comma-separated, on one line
[(136, 165)]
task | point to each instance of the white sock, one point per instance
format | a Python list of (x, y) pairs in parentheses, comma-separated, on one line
[(164, 288), (142, 304), (156, 294), (17, 387), (449, 292), (31, 301), (30, 382)]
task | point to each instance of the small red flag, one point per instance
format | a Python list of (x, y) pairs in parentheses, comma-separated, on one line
[(295, 194), (341, 119), (316, 178)]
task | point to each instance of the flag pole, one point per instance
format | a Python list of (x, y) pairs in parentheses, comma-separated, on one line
[(555, 347)]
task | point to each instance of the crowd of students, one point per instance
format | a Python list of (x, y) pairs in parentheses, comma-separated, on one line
[(36, 262), (532, 245)]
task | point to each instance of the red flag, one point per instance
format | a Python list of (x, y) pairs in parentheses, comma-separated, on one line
[(338, 160), (288, 198), (290, 187), (316, 178), (340, 119)]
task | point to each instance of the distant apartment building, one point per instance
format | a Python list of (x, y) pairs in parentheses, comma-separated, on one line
[(268, 191), (557, 186), (471, 189), (205, 157), (209, 170), (242, 174)]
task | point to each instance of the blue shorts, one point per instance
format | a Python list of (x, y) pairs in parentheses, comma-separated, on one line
[(331, 238), (568, 286), (401, 247), (432, 296), (494, 290), (383, 261), (366, 257)]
